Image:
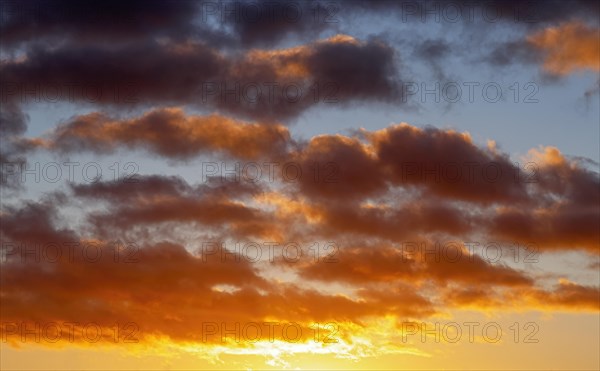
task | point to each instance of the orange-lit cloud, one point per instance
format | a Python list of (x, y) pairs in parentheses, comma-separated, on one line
[(568, 47), (377, 227), (392, 183), (171, 133)]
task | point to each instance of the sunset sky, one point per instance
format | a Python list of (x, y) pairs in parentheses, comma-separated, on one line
[(399, 185)]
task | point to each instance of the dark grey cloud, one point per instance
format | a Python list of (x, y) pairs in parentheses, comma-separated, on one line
[(253, 85), (13, 123), (96, 20)]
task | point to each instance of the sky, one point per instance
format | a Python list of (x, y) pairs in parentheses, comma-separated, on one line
[(398, 185)]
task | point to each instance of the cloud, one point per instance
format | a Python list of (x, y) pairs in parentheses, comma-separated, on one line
[(153, 200), (186, 81), (565, 296), (366, 184), (95, 21), (13, 123), (443, 163), (170, 133), (565, 214), (165, 291), (244, 24), (259, 84), (414, 262), (568, 48)]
